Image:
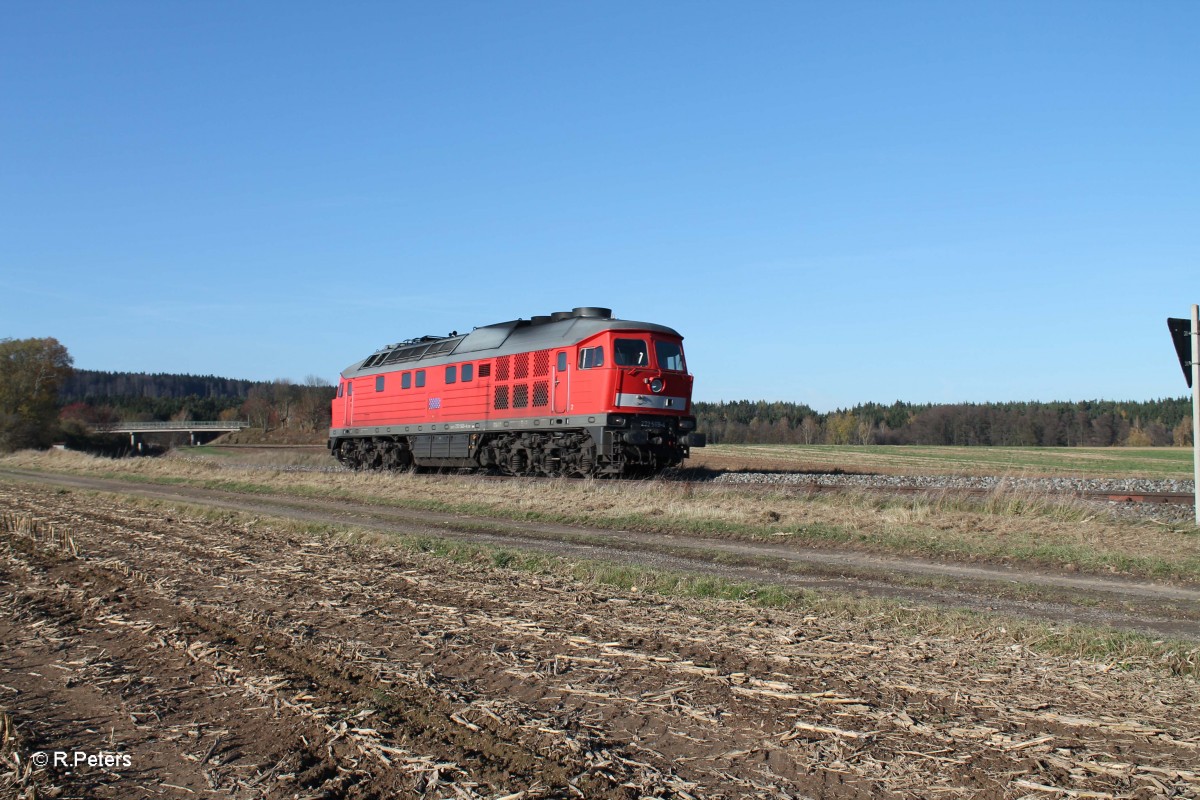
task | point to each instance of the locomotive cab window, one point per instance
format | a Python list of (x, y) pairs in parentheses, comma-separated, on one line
[(562, 362), (591, 357), (379, 383), (406, 380), (669, 355), (341, 389), (349, 387), (420, 378), (630, 353), (468, 372), (451, 374)]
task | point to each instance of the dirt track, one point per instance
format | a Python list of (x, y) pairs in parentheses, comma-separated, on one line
[(245, 661), (1155, 608)]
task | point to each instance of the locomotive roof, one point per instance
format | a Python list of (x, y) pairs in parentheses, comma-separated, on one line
[(502, 338)]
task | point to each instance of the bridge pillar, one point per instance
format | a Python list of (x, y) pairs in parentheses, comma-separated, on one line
[(135, 442)]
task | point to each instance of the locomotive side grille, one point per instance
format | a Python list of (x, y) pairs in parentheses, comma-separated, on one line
[(502, 367), (501, 402), (541, 364), (521, 395), (521, 372), (485, 370), (541, 393)]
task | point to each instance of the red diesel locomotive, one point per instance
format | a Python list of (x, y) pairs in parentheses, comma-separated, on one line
[(574, 393)]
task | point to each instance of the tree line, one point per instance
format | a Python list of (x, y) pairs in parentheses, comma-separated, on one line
[(44, 399), (96, 397), (1093, 423)]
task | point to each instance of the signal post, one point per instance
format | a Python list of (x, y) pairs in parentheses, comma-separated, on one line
[(1186, 335), (1196, 408)]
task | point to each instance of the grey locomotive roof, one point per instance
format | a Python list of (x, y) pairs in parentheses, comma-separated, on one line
[(503, 338)]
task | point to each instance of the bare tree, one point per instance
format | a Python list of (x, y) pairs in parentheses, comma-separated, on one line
[(284, 394), (1182, 434), (258, 409), (810, 430), (313, 410)]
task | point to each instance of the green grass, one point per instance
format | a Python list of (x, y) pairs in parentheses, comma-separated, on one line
[(1150, 462)]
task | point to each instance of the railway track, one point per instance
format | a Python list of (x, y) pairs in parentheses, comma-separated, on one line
[(1176, 498), (1169, 498)]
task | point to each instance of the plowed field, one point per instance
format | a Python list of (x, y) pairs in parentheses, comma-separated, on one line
[(231, 658)]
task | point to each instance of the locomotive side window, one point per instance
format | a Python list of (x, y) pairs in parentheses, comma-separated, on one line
[(669, 356), (341, 389), (349, 388), (468, 372), (451, 374), (406, 380), (562, 362), (591, 357), (420, 378), (379, 383), (630, 353)]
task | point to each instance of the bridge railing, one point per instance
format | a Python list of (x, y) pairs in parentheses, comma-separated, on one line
[(171, 425)]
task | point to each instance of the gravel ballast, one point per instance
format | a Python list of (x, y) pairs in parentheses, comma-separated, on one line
[(1170, 512)]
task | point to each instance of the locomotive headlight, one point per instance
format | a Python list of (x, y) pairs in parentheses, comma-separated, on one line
[(656, 385), (686, 424)]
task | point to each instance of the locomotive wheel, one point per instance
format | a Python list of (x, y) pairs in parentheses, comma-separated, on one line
[(586, 463)]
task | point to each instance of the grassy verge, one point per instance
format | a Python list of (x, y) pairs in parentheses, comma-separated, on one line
[(1004, 527)]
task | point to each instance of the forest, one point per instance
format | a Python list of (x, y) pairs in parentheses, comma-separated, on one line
[(1092, 423)]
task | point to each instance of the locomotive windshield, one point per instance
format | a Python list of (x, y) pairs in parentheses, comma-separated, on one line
[(630, 353), (669, 355)]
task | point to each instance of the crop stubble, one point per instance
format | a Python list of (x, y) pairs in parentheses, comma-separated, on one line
[(242, 660)]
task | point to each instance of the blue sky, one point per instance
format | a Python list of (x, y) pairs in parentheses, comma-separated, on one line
[(835, 203)]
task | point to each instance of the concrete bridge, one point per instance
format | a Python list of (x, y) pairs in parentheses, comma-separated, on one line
[(196, 430)]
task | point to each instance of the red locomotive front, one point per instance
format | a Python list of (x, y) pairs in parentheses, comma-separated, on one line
[(573, 393)]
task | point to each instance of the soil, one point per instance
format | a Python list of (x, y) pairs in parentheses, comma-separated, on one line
[(220, 658)]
